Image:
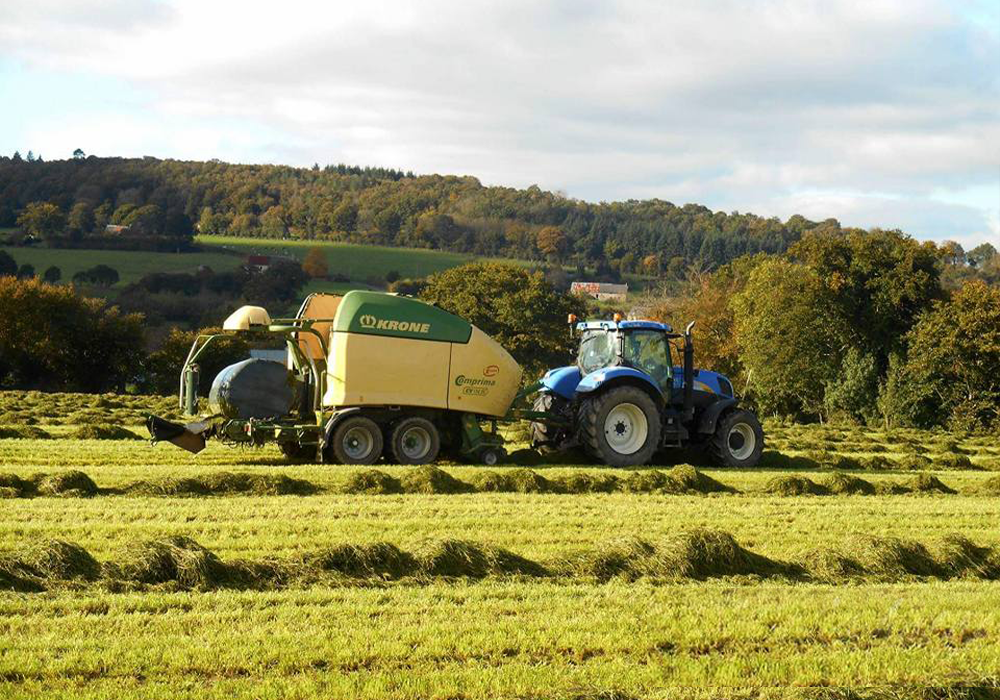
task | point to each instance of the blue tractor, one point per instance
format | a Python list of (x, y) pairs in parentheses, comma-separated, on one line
[(624, 399)]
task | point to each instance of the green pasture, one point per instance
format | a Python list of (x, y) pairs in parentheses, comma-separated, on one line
[(131, 265), (354, 261)]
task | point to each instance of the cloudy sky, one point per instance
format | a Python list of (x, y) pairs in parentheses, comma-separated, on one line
[(876, 112)]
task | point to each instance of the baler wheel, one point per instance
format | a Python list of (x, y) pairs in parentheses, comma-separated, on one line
[(491, 456), (415, 440), (357, 440)]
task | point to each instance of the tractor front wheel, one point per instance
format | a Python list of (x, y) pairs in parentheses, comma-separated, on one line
[(621, 426), (738, 440), (357, 440)]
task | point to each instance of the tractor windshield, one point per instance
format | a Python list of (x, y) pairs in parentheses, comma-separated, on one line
[(649, 352), (597, 350)]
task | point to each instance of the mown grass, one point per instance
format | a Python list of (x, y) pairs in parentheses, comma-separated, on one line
[(503, 639), (233, 574)]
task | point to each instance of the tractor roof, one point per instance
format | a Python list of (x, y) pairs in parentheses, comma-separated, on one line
[(624, 325)]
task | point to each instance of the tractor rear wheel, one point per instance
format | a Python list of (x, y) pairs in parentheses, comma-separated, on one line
[(415, 440), (621, 426), (357, 440), (545, 437), (738, 440)]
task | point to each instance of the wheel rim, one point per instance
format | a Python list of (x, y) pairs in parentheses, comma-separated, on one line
[(358, 443), (626, 428), (415, 442), (489, 458), (742, 441)]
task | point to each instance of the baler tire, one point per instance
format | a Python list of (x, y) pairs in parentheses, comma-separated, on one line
[(728, 445), (353, 428), (593, 419), (398, 439), (544, 437)]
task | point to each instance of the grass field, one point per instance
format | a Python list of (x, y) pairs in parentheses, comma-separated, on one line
[(131, 265), (502, 583), (357, 262)]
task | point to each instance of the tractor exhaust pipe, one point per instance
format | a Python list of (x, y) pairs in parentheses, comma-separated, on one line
[(190, 437), (688, 371)]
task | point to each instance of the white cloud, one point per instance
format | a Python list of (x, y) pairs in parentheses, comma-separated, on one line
[(751, 106)]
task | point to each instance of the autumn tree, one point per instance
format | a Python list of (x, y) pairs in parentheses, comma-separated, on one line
[(315, 264), (518, 308), (952, 371), (81, 218), (790, 335), (881, 280), (42, 219), (707, 300), (53, 339), (552, 242)]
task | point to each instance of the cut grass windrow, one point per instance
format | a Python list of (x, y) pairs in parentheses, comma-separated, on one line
[(180, 563), (432, 480)]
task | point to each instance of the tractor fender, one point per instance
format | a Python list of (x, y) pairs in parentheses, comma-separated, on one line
[(331, 425), (562, 381), (710, 416), (615, 376)]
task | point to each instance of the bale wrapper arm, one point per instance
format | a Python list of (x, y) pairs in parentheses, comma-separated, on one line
[(303, 429)]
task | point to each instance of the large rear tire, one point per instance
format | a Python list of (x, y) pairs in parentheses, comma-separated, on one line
[(357, 440), (620, 427), (738, 441), (545, 437), (415, 440)]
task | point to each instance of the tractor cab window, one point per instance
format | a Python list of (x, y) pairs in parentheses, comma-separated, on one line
[(597, 350), (649, 352)]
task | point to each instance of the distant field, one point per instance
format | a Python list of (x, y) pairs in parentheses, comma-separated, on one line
[(357, 262), (131, 265), (363, 265)]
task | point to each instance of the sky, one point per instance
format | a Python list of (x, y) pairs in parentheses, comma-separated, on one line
[(878, 112)]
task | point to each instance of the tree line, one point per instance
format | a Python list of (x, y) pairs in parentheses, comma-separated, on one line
[(161, 204), (871, 327), (857, 327)]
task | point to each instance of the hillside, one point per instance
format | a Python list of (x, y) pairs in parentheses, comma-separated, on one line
[(172, 200)]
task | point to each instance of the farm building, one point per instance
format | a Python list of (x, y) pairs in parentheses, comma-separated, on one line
[(258, 263), (601, 290)]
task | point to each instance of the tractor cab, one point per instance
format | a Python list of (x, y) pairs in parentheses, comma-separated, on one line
[(641, 345)]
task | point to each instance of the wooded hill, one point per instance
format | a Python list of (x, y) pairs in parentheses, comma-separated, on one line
[(170, 199)]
